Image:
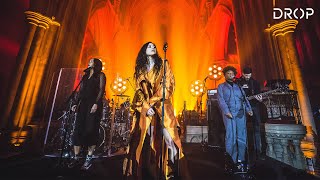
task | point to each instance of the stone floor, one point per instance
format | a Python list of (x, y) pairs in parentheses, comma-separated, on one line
[(203, 163)]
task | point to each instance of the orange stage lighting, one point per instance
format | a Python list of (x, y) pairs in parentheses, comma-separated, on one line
[(193, 42)]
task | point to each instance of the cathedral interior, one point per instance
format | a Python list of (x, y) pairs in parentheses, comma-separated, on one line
[(45, 45)]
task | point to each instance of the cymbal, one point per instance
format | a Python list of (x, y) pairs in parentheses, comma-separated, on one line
[(120, 95)]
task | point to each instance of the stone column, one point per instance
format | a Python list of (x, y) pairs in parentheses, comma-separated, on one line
[(285, 153), (281, 41), (25, 85), (283, 137), (299, 84), (42, 63), (275, 65), (300, 161), (278, 149), (20, 64), (270, 149), (20, 106), (282, 34)]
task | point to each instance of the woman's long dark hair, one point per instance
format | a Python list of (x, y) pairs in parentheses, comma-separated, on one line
[(97, 68), (142, 60), (97, 65)]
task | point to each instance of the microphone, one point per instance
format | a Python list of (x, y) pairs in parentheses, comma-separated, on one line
[(87, 70), (165, 46)]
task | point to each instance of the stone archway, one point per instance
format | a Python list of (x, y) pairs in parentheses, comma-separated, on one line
[(116, 35)]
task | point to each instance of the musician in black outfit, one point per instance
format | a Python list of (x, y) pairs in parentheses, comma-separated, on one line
[(252, 87), (89, 111)]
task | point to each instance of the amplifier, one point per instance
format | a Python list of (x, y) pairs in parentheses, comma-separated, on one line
[(196, 134), (212, 93), (216, 130)]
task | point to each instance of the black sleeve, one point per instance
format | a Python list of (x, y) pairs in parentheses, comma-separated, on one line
[(257, 87), (102, 86)]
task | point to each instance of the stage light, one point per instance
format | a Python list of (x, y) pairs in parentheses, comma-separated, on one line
[(197, 88), (118, 85), (215, 72)]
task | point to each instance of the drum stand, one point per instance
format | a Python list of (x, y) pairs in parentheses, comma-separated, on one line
[(115, 125)]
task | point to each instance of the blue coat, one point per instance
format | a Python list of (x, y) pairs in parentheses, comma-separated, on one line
[(231, 100)]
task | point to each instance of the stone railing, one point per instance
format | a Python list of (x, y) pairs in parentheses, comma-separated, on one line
[(283, 143)]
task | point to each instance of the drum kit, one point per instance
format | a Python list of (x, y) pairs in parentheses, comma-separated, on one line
[(115, 125), (114, 130)]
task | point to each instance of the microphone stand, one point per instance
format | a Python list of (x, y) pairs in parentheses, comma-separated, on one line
[(200, 119), (165, 47), (69, 101)]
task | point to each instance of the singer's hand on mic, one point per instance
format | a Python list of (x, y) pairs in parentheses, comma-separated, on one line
[(87, 69), (150, 112)]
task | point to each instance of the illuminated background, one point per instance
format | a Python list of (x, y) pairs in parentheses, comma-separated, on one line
[(197, 39), (199, 33)]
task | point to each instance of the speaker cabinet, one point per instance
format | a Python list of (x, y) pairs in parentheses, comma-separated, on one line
[(216, 131)]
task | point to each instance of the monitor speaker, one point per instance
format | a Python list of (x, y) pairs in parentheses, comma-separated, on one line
[(216, 131)]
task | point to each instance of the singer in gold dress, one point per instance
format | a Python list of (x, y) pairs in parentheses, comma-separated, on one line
[(144, 153)]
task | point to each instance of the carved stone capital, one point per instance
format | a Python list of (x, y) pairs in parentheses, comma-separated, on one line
[(40, 20), (282, 28)]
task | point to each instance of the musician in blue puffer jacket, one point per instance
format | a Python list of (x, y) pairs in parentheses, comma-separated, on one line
[(234, 106)]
